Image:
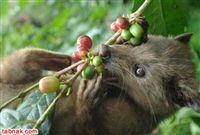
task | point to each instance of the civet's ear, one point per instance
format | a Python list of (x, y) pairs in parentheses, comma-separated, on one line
[(186, 97), (184, 38)]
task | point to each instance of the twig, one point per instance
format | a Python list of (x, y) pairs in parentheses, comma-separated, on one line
[(71, 80), (141, 9), (23, 93), (133, 16), (68, 68), (20, 95), (112, 39)]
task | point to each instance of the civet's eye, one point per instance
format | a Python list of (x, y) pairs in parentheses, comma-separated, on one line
[(139, 71)]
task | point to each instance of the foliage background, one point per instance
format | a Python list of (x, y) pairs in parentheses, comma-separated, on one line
[(56, 24)]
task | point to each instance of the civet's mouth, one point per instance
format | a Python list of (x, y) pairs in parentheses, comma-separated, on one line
[(105, 53)]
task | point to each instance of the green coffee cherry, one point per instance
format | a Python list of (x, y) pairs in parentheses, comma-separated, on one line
[(136, 30), (135, 41), (126, 34), (88, 72), (100, 69), (97, 61)]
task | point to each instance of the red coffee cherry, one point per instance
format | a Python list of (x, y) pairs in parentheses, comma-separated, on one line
[(122, 23), (114, 27), (76, 56), (84, 42), (82, 53)]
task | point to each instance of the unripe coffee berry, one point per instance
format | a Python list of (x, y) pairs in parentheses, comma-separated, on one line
[(136, 30), (49, 84), (88, 72), (126, 34), (97, 61), (100, 69), (135, 41)]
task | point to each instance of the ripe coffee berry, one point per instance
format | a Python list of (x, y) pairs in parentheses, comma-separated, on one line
[(82, 48), (84, 42), (76, 56), (114, 27), (82, 53), (122, 23)]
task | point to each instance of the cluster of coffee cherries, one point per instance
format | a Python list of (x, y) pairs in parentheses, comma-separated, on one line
[(84, 43), (130, 32)]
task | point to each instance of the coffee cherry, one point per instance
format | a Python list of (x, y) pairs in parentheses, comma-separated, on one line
[(135, 41), (97, 61), (76, 56), (122, 23), (114, 27), (88, 72), (136, 30), (126, 34), (100, 69), (82, 53), (49, 84), (84, 42), (82, 48)]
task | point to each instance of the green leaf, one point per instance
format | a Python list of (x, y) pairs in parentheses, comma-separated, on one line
[(28, 112), (166, 17), (195, 129)]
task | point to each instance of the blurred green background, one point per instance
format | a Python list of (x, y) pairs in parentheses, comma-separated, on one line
[(56, 24)]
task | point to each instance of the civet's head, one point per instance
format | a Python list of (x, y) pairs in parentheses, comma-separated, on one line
[(158, 75)]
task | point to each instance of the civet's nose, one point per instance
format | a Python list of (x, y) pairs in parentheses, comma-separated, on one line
[(104, 51)]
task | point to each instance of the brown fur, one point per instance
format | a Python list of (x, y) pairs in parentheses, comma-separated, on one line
[(135, 108)]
